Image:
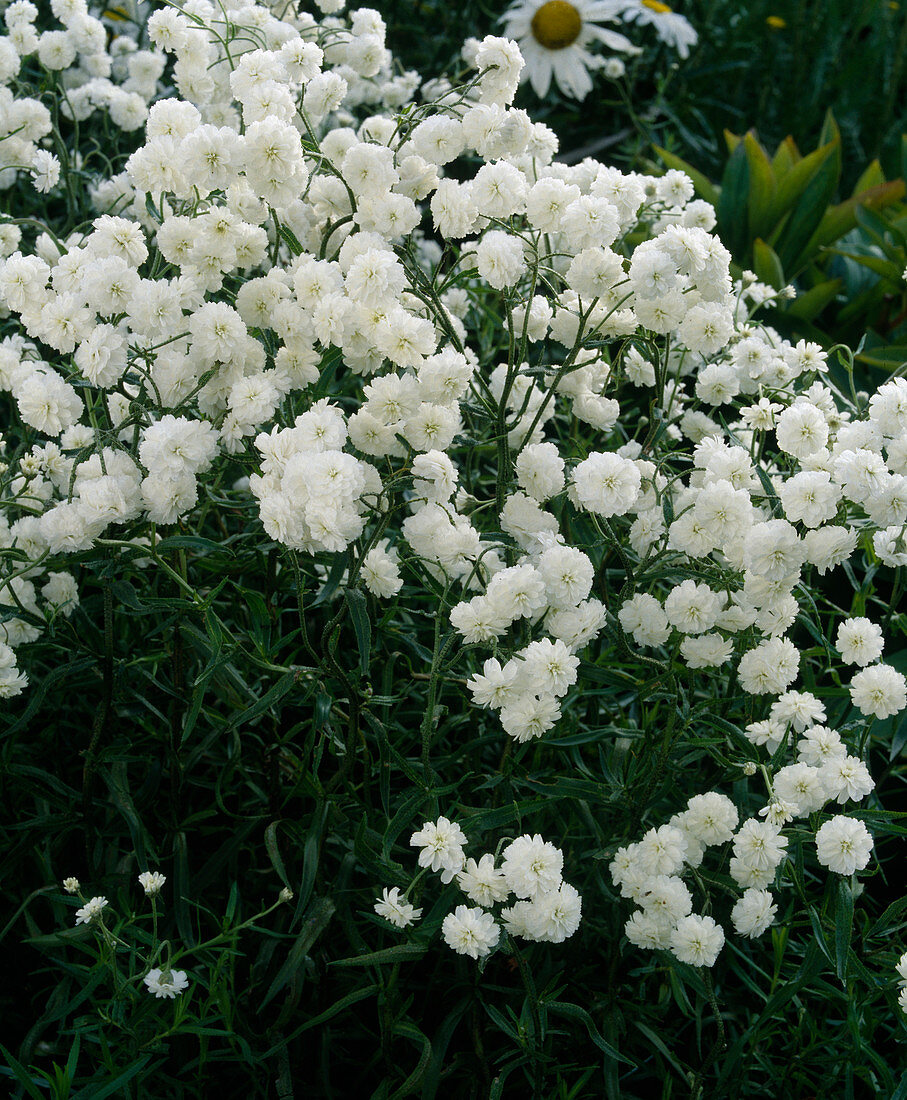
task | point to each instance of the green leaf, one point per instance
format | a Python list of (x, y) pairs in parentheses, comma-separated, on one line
[(408, 1030), (439, 1046), (795, 182), (317, 918), (896, 913), (290, 240), (884, 268), (830, 131), (872, 176), (115, 1086), (284, 685), (761, 197), (402, 952), (733, 203), (786, 156), (842, 218), (22, 1075), (274, 852), (808, 210), (362, 626), (888, 357), (810, 303), (766, 264), (880, 229), (575, 1012), (117, 784), (323, 1017), (843, 927)]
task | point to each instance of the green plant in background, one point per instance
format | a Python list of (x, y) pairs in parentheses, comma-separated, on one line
[(779, 65), (779, 217), (872, 259)]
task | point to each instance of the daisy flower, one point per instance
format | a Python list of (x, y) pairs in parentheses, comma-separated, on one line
[(673, 29), (554, 37)]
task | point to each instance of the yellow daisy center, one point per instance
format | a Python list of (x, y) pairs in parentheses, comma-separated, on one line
[(656, 5), (556, 24)]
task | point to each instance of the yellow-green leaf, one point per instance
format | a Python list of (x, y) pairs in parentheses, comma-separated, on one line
[(795, 181), (767, 265), (840, 219), (731, 140), (872, 176), (761, 199), (811, 302), (786, 156)]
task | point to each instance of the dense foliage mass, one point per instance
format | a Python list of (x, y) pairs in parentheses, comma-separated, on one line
[(450, 639)]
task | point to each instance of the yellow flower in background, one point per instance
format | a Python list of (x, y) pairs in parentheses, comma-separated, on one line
[(554, 37), (776, 22)]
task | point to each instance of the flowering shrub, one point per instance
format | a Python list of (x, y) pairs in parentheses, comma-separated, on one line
[(453, 496)]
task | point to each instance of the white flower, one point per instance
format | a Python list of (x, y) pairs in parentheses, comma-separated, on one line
[(482, 882), (662, 851), (555, 916), (442, 843), (606, 484), (760, 845), (394, 909), (843, 845), (71, 885), (470, 932), (554, 37), (753, 913), (859, 641), (673, 29), (532, 866), (151, 882), (648, 931), (166, 983), (711, 818), (846, 777), (697, 940), (46, 169), (879, 690), (91, 910)]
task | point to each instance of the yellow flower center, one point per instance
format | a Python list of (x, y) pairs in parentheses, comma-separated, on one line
[(556, 24), (656, 5)]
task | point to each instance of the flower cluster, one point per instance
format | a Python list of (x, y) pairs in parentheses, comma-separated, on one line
[(650, 871), (444, 359), (97, 71), (544, 908), (161, 983)]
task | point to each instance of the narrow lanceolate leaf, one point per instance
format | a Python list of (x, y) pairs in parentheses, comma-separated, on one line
[(362, 626), (403, 952), (762, 187), (733, 202), (843, 926), (807, 213), (767, 265)]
